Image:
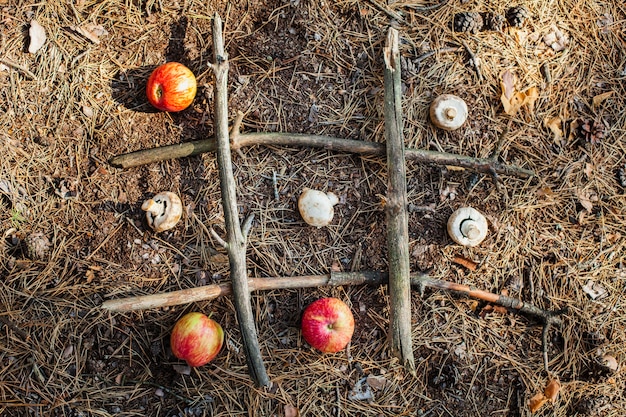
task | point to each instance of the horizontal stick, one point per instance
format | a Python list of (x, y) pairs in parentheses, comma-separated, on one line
[(334, 279), (147, 156)]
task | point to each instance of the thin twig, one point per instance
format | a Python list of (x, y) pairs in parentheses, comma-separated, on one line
[(473, 60), (426, 8), (397, 217), (7, 322), (19, 67)]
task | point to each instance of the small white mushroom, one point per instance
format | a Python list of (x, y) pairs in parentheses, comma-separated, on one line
[(163, 211), (448, 112), (316, 207), (467, 226)]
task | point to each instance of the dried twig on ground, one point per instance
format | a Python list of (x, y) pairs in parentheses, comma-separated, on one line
[(236, 241), (148, 156), (397, 217), (213, 291)]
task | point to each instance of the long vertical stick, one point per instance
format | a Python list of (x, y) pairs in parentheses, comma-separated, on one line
[(397, 218), (236, 242)]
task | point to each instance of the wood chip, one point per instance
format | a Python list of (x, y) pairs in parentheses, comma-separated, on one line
[(467, 263), (37, 36)]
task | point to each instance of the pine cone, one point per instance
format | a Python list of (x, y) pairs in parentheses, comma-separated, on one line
[(37, 246), (590, 131), (493, 21), (471, 22), (517, 16)]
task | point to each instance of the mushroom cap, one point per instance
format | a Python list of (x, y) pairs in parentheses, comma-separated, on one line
[(316, 207), (467, 226), (448, 112), (163, 211)]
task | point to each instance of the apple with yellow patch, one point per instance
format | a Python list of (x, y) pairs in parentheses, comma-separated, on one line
[(171, 87), (197, 339), (328, 325)]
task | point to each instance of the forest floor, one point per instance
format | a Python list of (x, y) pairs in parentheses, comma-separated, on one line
[(74, 234)]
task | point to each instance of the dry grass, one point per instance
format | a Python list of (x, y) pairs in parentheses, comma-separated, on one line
[(302, 66)]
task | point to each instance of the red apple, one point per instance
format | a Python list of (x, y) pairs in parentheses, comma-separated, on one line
[(171, 87), (328, 324), (196, 339)]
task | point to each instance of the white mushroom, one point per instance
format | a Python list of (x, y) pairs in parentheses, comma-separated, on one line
[(448, 112), (467, 226), (316, 207), (163, 211)]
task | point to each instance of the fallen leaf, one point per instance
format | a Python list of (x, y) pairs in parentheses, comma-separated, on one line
[(595, 291), (361, 391), (182, 369), (377, 382), (536, 402), (508, 84), (37, 36), (291, 411), (545, 192), (588, 170), (512, 100), (86, 34), (529, 97), (584, 200), (552, 390), (597, 100)]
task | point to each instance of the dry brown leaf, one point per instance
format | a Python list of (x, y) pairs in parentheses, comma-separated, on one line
[(552, 390), (555, 125), (536, 402), (377, 382), (291, 411), (588, 170), (545, 192), (584, 200), (530, 96), (597, 100), (512, 100), (508, 84)]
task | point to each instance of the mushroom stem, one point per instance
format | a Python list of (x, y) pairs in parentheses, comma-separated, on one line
[(450, 113), (469, 229)]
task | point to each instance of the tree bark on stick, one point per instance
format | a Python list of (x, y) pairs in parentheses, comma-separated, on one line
[(181, 150), (418, 280), (236, 241), (397, 217)]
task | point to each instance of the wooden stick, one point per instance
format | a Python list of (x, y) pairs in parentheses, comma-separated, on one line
[(397, 217), (163, 153), (236, 242), (213, 291)]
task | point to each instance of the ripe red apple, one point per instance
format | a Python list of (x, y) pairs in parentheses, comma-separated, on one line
[(171, 87), (328, 324), (197, 339)]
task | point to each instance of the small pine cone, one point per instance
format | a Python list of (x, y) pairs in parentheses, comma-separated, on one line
[(493, 21), (37, 246), (471, 22), (621, 174), (590, 131), (517, 16)]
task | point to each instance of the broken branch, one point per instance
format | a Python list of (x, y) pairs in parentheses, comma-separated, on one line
[(397, 217), (163, 153), (236, 242)]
